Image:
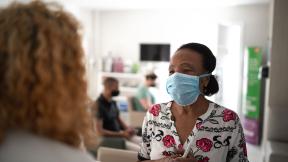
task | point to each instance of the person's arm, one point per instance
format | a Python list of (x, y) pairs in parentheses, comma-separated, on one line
[(160, 160), (127, 129), (170, 159), (104, 132), (145, 145), (146, 104), (237, 150), (144, 99), (98, 122), (122, 123)]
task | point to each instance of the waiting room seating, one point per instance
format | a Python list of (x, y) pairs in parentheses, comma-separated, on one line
[(135, 117), (114, 155)]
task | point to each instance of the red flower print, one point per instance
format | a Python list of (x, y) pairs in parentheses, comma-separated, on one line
[(155, 109), (169, 141), (199, 125), (204, 144), (180, 147), (201, 158), (165, 153), (205, 159), (228, 115)]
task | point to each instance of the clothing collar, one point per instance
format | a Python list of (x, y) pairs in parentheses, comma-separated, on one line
[(103, 99), (203, 116)]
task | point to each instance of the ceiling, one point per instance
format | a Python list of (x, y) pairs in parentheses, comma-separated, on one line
[(159, 4), (149, 4)]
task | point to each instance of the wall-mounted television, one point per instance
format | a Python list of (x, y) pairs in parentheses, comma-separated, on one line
[(154, 52)]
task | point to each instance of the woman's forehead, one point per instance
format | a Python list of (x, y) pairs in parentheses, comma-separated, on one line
[(186, 57)]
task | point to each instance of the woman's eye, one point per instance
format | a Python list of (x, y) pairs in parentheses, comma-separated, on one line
[(187, 70)]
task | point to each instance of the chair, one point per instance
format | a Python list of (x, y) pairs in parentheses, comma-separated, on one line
[(135, 117), (113, 155)]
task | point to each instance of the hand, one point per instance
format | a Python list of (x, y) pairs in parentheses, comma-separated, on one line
[(181, 159), (178, 157), (167, 159), (126, 134), (131, 130)]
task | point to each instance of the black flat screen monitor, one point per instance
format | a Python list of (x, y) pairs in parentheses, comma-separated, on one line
[(154, 52)]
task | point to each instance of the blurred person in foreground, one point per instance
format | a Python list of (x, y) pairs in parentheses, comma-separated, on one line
[(43, 101), (113, 130)]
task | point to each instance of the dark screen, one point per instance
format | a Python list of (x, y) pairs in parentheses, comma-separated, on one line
[(154, 52)]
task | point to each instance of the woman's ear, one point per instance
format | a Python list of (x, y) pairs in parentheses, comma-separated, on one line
[(206, 80), (204, 83)]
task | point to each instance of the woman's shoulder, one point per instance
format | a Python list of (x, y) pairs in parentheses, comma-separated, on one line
[(24, 146), (159, 110), (221, 108), (227, 115)]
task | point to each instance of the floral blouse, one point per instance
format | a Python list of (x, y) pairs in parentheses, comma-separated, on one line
[(217, 135)]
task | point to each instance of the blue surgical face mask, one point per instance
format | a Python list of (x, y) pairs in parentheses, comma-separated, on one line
[(184, 89)]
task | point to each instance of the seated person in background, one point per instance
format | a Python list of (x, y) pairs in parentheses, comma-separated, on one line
[(108, 121), (43, 100), (144, 99)]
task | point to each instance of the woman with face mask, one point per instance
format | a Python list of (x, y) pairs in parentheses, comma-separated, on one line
[(205, 131)]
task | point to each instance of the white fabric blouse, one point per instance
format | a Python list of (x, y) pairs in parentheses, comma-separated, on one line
[(217, 135)]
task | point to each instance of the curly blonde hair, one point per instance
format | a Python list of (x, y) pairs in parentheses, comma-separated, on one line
[(42, 84)]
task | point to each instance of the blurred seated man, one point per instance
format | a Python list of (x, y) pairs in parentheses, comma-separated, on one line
[(108, 121), (144, 99)]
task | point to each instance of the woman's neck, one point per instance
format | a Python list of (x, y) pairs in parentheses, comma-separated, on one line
[(107, 96), (196, 109)]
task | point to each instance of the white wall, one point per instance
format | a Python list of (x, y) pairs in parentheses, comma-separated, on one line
[(255, 23), (122, 31)]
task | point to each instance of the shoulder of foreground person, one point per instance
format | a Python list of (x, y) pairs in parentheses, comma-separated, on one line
[(26, 147)]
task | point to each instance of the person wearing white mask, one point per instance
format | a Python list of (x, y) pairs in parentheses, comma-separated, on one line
[(190, 123)]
